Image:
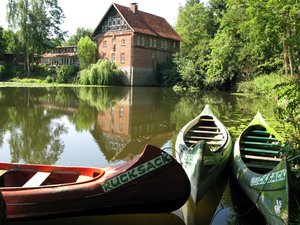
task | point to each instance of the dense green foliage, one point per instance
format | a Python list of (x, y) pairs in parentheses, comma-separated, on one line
[(228, 41), (103, 72), (39, 24), (86, 52), (2, 72), (264, 84), (12, 42), (80, 32), (66, 73), (167, 73), (2, 44), (288, 111)]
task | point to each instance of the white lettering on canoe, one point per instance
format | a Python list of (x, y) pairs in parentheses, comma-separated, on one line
[(136, 172), (269, 178)]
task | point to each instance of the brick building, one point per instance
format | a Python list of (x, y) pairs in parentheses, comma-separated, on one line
[(136, 41)]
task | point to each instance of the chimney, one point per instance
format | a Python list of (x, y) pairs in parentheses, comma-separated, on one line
[(134, 7)]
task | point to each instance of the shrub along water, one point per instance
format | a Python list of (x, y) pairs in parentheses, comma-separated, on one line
[(103, 72), (2, 72), (264, 84), (66, 73)]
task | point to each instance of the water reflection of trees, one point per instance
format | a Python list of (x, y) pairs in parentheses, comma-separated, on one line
[(31, 118), (102, 98), (34, 136)]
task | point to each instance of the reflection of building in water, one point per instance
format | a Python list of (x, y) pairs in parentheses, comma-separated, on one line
[(132, 123)]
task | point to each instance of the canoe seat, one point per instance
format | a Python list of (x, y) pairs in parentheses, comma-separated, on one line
[(83, 178), (2, 172), (261, 132), (256, 163), (217, 138), (37, 179), (205, 131), (262, 158), (265, 144), (2, 177), (263, 151), (251, 137)]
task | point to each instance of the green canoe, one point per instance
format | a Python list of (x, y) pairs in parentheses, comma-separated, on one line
[(261, 170), (203, 146)]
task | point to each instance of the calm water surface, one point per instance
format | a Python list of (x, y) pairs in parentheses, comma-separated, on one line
[(106, 126)]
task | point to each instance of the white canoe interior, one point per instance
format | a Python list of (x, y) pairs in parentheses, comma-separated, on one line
[(209, 130)]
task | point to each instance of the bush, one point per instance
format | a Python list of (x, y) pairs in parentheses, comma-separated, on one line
[(103, 72), (2, 72), (49, 79), (66, 73), (167, 73), (263, 84)]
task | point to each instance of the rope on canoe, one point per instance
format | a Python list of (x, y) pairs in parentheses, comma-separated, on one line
[(179, 154)]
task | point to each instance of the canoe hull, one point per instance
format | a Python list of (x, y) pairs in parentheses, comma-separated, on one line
[(269, 191), (202, 164), (143, 185)]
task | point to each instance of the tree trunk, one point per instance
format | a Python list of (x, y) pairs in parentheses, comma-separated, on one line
[(26, 40), (291, 61), (285, 55)]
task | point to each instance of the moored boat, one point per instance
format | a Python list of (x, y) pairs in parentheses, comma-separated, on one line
[(203, 146), (261, 170), (153, 182)]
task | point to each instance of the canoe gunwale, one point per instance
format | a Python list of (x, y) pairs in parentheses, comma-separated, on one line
[(212, 160), (111, 193), (265, 189)]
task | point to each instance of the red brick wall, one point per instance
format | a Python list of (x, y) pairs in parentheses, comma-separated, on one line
[(140, 60), (117, 48)]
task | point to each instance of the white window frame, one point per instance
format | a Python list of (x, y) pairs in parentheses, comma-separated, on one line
[(122, 57)]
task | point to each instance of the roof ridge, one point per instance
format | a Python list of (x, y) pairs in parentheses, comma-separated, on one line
[(145, 22)]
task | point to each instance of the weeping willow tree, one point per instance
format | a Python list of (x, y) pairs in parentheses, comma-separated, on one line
[(103, 72)]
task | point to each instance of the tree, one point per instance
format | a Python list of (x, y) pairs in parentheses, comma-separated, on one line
[(223, 63), (2, 47), (86, 49), (194, 25), (80, 32), (38, 21), (12, 42), (277, 26)]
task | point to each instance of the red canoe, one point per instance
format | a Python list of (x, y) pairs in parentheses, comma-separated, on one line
[(153, 182)]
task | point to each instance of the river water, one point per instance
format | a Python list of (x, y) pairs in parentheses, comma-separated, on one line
[(107, 126)]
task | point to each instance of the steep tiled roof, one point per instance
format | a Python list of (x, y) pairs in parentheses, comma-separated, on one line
[(146, 23)]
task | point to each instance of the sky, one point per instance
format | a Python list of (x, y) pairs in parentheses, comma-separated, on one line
[(88, 13)]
